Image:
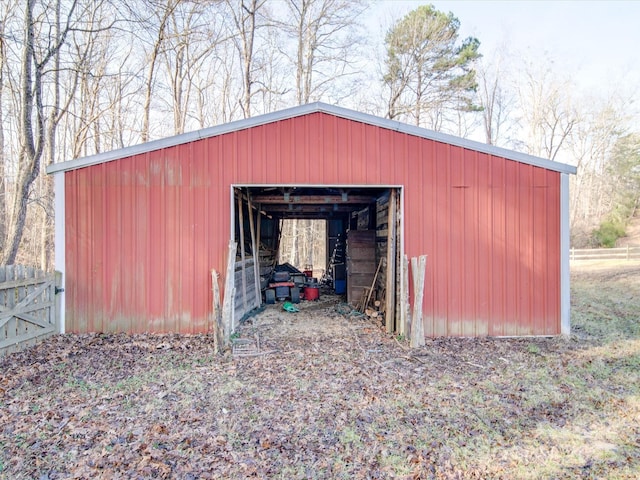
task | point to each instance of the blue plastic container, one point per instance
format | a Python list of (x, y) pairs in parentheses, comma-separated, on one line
[(340, 286)]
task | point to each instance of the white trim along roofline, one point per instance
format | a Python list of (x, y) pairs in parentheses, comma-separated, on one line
[(307, 109)]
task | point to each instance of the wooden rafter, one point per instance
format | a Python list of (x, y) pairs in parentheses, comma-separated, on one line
[(314, 199)]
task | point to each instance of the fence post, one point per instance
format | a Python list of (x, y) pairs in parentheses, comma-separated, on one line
[(58, 299)]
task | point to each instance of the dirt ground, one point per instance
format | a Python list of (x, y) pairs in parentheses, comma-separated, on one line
[(325, 393)]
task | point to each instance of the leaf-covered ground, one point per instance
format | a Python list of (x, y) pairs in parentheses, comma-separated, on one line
[(320, 394)]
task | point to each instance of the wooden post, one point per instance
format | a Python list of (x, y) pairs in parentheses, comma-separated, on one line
[(254, 250), (217, 313), (418, 267), (3, 303), (390, 300), (24, 272), (258, 233), (11, 326), (405, 326), (229, 293), (398, 263), (242, 256)]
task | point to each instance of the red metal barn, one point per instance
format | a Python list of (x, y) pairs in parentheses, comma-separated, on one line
[(138, 230)]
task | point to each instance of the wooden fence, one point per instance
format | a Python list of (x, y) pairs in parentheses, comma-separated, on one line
[(247, 301), (28, 311), (622, 253)]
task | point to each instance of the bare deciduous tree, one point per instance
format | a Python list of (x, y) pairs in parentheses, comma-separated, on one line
[(246, 18), (193, 35), (494, 97), (324, 33), (303, 243), (32, 128), (3, 170), (155, 31), (592, 143), (548, 113)]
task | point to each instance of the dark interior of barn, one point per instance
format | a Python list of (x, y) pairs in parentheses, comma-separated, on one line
[(360, 256)]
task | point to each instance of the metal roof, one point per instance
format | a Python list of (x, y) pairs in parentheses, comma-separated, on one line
[(307, 109)]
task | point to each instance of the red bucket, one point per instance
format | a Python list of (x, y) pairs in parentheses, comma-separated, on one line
[(311, 293)]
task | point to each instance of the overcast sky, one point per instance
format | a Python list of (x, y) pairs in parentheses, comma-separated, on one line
[(596, 42)]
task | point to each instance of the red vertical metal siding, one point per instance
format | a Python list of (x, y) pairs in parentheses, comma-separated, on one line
[(144, 232)]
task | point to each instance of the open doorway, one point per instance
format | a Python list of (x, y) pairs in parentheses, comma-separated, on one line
[(350, 236), (303, 244)]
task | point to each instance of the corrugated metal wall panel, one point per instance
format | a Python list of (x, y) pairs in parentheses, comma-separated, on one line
[(469, 294), (541, 186), (144, 232), (497, 244), (485, 243)]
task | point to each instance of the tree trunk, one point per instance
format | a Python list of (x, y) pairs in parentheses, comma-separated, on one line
[(300, 57), (153, 58), (32, 137), (247, 27), (3, 187), (29, 158)]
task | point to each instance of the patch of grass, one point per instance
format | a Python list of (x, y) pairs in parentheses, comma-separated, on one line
[(598, 368), (130, 385), (79, 385), (605, 304), (351, 437), (533, 348), (394, 463)]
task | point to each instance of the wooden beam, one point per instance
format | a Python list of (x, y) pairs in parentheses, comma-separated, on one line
[(259, 230), (26, 336), (311, 216), (405, 311), (418, 267), (217, 328), (307, 208), (229, 292), (398, 265), (254, 251), (314, 199), (242, 253), (390, 300)]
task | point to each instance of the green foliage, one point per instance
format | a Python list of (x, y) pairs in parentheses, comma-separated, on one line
[(533, 348), (427, 70), (624, 171), (608, 232)]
